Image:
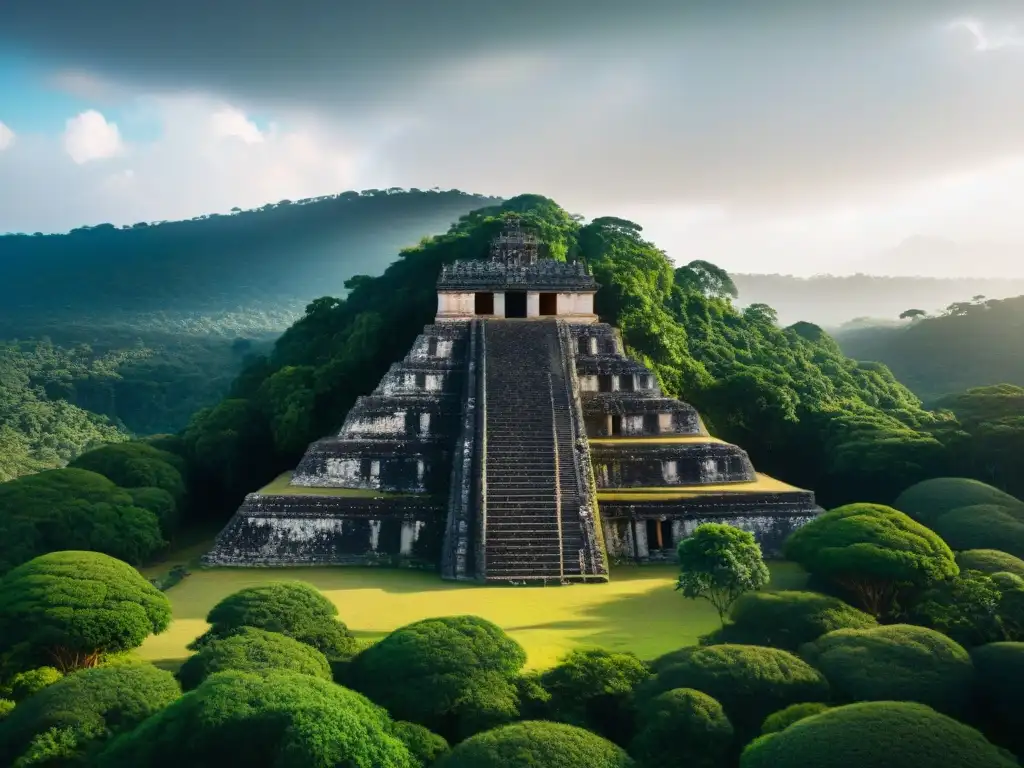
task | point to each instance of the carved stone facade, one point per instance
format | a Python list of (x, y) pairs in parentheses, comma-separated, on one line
[(506, 451)]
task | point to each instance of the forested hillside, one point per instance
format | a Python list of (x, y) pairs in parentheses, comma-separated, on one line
[(804, 411), (117, 331), (970, 344), (832, 300)]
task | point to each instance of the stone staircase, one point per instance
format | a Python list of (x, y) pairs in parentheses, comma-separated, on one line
[(531, 523)]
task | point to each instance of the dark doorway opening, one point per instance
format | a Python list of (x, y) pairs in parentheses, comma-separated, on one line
[(515, 304), (659, 535), (651, 424), (616, 425), (604, 383), (483, 304), (549, 304)]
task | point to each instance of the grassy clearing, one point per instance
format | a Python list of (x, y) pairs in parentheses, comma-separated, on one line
[(637, 611)]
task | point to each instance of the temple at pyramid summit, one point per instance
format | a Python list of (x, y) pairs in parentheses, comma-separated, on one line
[(516, 443)]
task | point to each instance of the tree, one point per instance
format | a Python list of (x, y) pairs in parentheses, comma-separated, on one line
[(136, 465), (989, 561), (719, 563), (70, 608), (878, 734), (456, 675), (899, 662), (706, 278), (966, 608), (984, 526), (593, 689), (280, 718), (929, 500), (75, 715), (424, 745), (779, 721), (999, 671), (72, 509), (683, 728), (29, 683), (872, 552), (253, 650), (786, 619), (912, 314), (293, 608), (751, 682), (533, 744)]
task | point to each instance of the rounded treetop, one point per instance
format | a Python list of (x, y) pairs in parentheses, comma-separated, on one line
[(536, 744), (878, 734), (928, 500)]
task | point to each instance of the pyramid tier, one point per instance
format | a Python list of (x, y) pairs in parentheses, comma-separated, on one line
[(417, 466), (693, 461), (401, 418)]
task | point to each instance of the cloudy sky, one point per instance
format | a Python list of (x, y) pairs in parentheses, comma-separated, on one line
[(796, 136)]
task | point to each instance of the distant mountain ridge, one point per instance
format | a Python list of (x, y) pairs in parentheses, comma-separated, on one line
[(275, 257)]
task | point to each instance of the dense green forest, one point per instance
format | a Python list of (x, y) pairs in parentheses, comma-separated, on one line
[(114, 332), (971, 343)]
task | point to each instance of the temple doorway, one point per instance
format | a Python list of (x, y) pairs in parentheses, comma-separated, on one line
[(483, 304), (515, 304), (659, 535), (549, 304)]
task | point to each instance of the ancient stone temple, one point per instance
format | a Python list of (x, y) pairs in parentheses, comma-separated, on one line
[(516, 442)]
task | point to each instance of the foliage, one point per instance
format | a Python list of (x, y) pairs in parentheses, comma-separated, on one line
[(871, 551), (929, 500), (750, 681), (536, 744), (999, 670), (786, 619), (719, 563), (76, 714), (253, 650), (683, 728), (877, 734), (983, 526), (593, 689), (456, 675), (899, 662), (989, 561), (292, 608), (280, 718), (6, 707), (161, 504), (778, 721), (969, 608), (137, 465), (72, 509), (30, 682), (424, 745), (39, 431), (69, 608)]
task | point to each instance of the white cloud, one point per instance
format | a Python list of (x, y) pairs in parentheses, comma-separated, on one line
[(987, 38), (88, 136), (208, 157), (229, 122), (6, 137)]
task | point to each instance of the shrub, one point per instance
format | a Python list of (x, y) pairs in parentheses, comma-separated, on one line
[(85, 708), (929, 500), (536, 744), (69, 608), (161, 504), (871, 551), (683, 728), (786, 620), (456, 675), (25, 684), (750, 681), (281, 718), (990, 561), (6, 707), (136, 465), (425, 746), (253, 650), (878, 734), (594, 690), (966, 608), (980, 527), (292, 608), (999, 671), (72, 509), (894, 663), (784, 718)]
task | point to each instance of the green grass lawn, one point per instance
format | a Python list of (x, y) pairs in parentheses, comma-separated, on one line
[(638, 610)]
